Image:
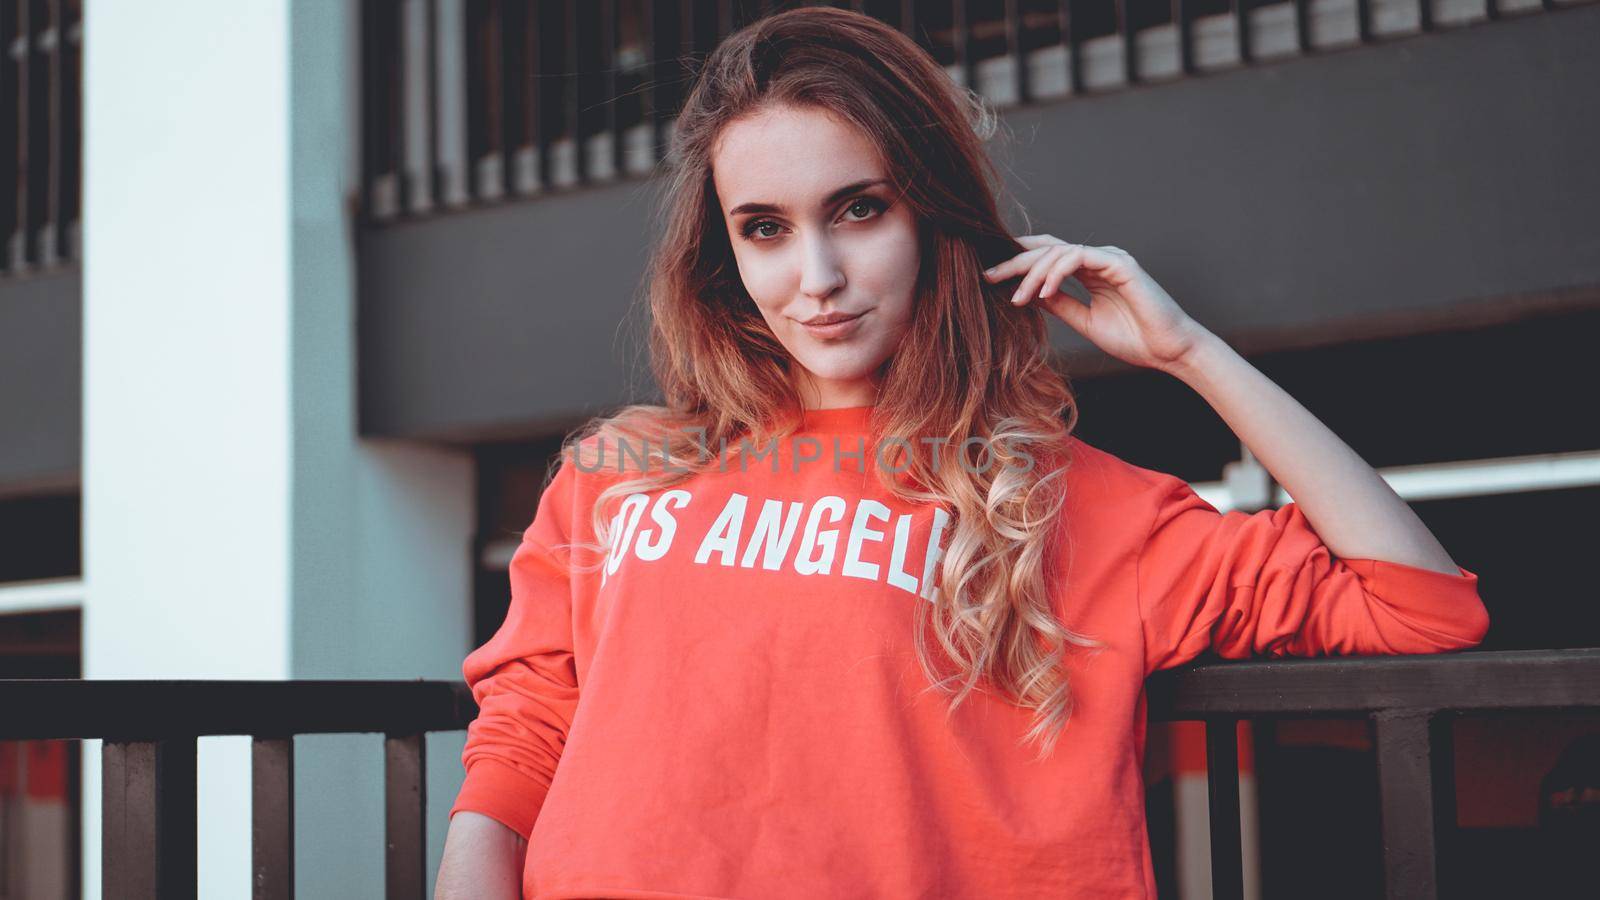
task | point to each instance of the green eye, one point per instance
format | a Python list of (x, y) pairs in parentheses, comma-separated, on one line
[(870, 203)]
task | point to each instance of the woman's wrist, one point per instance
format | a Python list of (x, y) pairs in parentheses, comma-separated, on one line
[(1201, 355), (483, 858)]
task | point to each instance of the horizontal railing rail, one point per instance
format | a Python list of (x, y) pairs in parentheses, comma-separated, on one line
[(150, 728), (1474, 681)]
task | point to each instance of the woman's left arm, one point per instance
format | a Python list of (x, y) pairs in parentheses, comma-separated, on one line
[(1353, 510)]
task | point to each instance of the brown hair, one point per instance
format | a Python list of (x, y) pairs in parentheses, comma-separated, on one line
[(970, 365)]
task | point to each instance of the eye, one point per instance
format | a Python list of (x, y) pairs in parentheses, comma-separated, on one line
[(751, 227), (871, 203)]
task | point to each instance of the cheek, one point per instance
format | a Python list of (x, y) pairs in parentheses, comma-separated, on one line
[(892, 259), (761, 279)]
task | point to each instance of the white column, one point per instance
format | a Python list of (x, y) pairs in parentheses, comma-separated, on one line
[(234, 526)]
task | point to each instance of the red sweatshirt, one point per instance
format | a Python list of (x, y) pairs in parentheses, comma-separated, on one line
[(732, 706)]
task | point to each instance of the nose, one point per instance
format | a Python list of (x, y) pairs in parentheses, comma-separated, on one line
[(820, 273)]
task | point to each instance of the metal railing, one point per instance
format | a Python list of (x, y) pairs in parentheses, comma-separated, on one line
[(40, 133), (474, 101), (150, 728), (1411, 702)]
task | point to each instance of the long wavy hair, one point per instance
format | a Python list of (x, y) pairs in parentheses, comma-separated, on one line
[(971, 365)]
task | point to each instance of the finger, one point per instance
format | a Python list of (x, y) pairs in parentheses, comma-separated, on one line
[(1059, 272), (1016, 265), (1038, 240), (1070, 310), (1029, 289), (1114, 268)]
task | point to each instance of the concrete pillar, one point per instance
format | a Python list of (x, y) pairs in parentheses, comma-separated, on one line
[(234, 525)]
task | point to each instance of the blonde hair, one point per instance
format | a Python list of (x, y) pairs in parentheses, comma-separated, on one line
[(971, 364)]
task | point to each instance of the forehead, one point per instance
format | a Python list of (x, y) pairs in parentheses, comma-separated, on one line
[(790, 156)]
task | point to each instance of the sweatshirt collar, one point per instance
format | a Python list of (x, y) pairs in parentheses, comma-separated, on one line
[(842, 419)]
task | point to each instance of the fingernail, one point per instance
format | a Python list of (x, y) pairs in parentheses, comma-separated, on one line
[(1043, 292)]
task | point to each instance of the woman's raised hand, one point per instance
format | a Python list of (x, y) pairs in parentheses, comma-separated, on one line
[(1129, 316)]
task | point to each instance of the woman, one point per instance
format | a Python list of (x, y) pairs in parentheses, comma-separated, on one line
[(799, 677)]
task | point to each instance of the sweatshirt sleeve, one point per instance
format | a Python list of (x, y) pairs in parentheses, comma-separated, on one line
[(1264, 584), (524, 679)]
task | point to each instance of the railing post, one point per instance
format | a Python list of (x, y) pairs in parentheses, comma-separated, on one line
[(961, 40), (1416, 786), (1130, 43), (148, 819), (1241, 30), (272, 818), (1222, 795), (405, 794), (1022, 81)]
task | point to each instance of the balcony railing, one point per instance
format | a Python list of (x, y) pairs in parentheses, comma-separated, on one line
[(1410, 701), (476, 101), (40, 133), (150, 728)]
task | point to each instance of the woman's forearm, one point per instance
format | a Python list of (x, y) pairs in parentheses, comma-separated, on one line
[(1352, 508), (482, 859)]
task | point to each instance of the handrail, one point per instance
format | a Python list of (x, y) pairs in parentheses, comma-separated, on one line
[(1468, 681), (55, 708)]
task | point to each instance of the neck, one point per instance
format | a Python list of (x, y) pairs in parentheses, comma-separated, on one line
[(827, 393)]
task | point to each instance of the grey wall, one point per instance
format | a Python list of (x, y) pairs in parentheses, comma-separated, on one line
[(1432, 182), (489, 321), (41, 382)]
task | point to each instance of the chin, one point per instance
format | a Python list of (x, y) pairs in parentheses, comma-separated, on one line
[(841, 370)]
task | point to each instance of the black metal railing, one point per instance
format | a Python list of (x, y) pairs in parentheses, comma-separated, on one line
[(1411, 702), (40, 133), (150, 728), (513, 98)]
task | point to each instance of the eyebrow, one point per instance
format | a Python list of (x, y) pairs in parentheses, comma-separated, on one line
[(829, 200)]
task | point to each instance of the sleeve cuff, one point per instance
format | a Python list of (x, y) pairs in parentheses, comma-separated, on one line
[(1445, 604), (503, 793)]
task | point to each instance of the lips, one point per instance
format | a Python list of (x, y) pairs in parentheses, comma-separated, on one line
[(834, 326), (832, 318)]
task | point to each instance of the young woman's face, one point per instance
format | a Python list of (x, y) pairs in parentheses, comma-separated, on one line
[(817, 231)]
